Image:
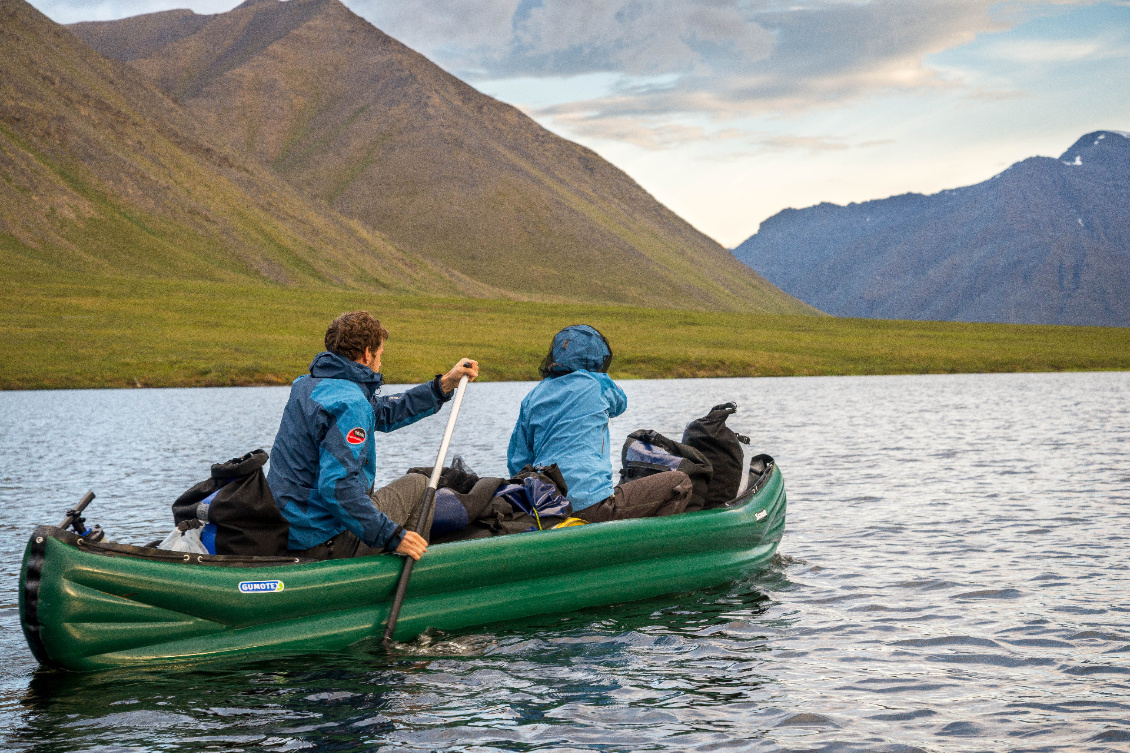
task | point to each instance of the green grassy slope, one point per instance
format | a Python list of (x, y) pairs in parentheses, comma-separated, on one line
[(105, 331), (101, 173), (355, 118)]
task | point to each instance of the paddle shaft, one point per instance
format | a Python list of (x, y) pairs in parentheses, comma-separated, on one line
[(424, 508)]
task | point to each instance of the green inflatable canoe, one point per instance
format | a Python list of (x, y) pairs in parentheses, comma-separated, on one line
[(87, 606)]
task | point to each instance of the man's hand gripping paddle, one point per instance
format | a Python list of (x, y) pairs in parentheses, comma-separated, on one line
[(425, 508)]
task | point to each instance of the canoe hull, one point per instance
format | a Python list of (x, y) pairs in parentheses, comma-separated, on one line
[(85, 606)]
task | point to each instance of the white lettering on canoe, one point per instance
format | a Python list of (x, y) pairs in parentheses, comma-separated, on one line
[(761, 514), (260, 586)]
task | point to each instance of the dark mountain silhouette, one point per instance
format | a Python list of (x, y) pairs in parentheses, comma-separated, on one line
[(352, 117), (1045, 242), (102, 173)]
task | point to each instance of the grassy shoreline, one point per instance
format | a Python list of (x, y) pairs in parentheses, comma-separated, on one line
[(71, 331)]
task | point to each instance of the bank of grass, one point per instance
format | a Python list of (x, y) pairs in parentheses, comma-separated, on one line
[(72, 332)]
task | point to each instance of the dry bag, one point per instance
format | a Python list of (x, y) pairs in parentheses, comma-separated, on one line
[(238, 509), (723, 448)]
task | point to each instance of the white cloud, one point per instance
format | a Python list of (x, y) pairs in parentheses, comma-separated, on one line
[(664, 59), (1044, 51), (679, 59), (507, 38)]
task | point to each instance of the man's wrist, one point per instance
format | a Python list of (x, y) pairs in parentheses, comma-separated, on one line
[(437, 385), (395, 539)]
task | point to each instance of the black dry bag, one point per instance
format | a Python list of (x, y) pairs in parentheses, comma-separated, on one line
[(647, 452), (723, 448), (238, 502)]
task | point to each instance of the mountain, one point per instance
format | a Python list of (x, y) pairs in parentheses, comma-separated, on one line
[(1045, 242), (100, 172), (352, 117)]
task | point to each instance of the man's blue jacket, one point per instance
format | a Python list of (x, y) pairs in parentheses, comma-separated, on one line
[(564, 419), (324, 460)]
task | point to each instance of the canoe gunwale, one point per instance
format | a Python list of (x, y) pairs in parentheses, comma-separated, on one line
[(114, 549)]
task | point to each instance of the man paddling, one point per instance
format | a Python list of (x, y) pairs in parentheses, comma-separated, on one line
[(324, 459)]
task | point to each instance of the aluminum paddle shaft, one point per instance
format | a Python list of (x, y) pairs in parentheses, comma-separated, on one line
[(425, 507)]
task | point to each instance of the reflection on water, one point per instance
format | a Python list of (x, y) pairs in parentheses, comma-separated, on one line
[(953, 577)]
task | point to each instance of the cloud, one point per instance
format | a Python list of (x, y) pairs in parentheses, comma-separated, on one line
[(734, 49), (509, 38), (658, 133), (448, 30), (814, 144), (650, 136), (713, 59), (672, 66), (1056, 51)]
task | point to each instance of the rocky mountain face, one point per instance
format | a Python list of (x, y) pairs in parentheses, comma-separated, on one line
[(1045, 242), (353, 118), (103, 173)]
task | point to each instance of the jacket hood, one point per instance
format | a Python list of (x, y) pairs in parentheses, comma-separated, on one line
[(327, 365), (576, 347)]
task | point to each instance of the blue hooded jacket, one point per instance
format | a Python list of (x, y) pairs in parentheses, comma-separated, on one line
[(565, 418), (324, 460)]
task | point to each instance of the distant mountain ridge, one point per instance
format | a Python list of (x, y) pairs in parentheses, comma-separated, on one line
[(1047, 241), (352, 117)]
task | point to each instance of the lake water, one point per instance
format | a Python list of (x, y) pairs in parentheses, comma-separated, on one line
[(953, 577)]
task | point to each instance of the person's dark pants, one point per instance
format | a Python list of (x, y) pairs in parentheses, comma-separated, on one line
[(399, 500), (648, 497)]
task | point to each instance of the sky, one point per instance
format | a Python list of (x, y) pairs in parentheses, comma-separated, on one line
[(729, 111)]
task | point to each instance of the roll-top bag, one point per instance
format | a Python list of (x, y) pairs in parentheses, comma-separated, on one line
[(236, 508), (722, 446)]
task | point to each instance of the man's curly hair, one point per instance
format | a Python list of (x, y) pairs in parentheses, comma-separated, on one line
[(352, 332)]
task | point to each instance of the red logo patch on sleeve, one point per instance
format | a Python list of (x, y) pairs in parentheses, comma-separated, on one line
[(356, 436)]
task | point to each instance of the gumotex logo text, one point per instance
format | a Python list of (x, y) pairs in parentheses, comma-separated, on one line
[(260, 586)]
